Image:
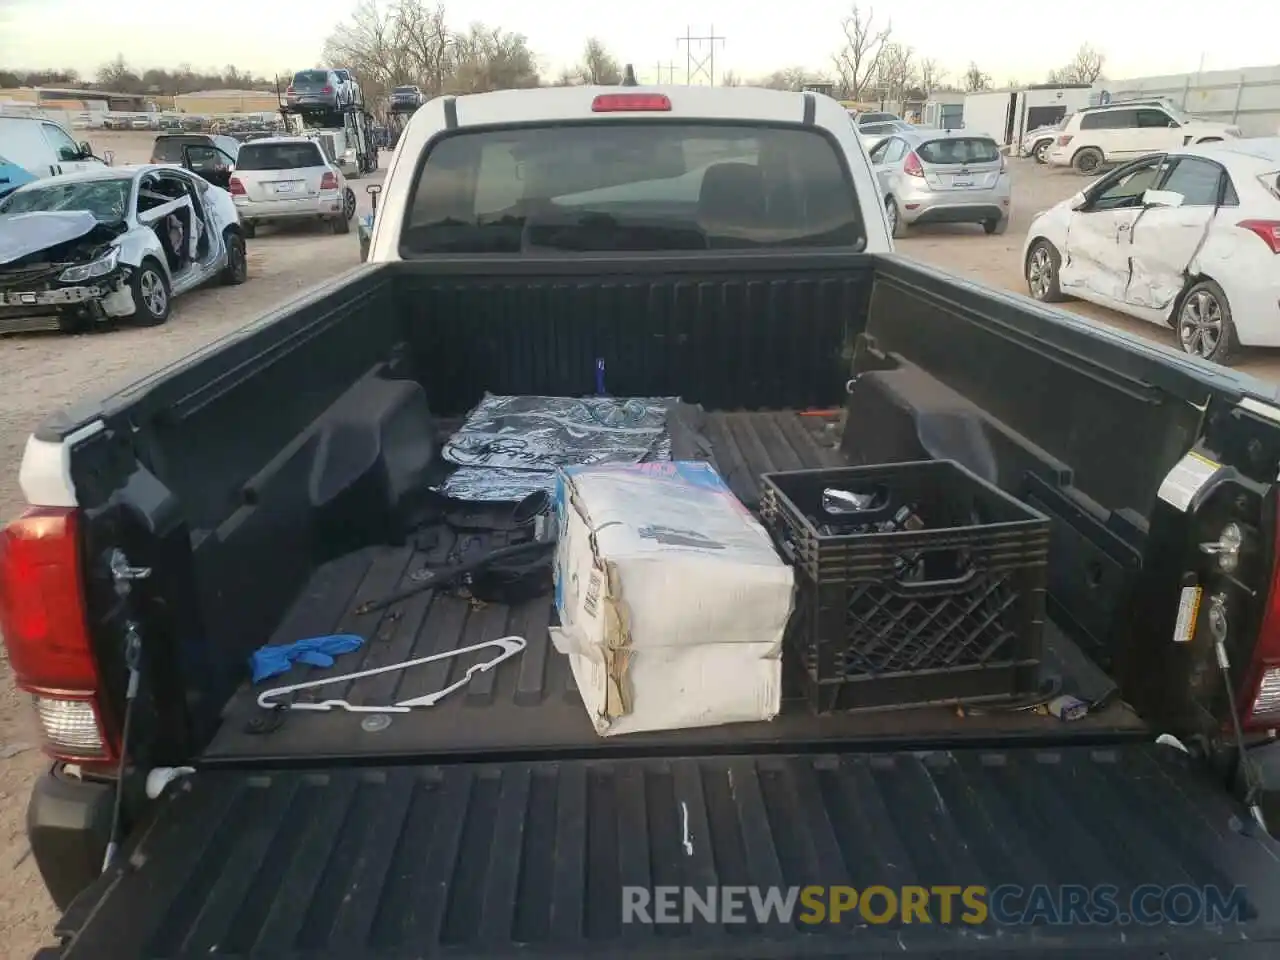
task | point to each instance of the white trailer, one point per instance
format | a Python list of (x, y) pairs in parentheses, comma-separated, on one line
[(1005, 115)]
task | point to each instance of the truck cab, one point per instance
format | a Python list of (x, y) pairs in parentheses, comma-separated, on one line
[(42, 148)]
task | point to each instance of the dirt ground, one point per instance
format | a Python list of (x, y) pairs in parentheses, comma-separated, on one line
[(42, 373)]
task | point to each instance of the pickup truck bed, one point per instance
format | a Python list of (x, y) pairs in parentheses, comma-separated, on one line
[(531, 705), (260, 481), (525, 859)]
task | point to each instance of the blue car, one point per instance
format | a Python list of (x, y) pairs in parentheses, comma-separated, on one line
[(12, 176)]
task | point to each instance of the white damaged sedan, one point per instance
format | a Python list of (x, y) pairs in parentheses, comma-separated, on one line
[(115, 243), (1188, 239)]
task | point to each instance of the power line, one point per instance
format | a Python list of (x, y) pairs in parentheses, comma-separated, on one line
[(670, 68), (700, 64)]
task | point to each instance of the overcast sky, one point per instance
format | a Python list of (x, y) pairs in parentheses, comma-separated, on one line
[(1020, 39)]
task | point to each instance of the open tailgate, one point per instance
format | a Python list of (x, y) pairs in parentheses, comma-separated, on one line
[(520, 859)]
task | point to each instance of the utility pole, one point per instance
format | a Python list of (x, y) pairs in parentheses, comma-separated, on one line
[(700, 64), (670, 68)]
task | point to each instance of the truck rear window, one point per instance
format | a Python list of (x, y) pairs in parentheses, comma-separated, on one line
[(279, 156), (959, 150), (632, 186)]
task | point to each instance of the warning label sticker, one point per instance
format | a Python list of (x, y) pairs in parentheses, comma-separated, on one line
[(1184, 630), (1186, 479)]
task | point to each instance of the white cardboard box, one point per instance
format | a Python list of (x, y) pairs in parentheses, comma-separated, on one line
[(672, 599)]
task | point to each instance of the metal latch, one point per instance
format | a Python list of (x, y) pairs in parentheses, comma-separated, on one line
[(121, 570), (1226, 549), (123, 573)]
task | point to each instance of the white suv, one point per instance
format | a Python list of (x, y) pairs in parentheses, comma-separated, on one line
[(1120, 132)]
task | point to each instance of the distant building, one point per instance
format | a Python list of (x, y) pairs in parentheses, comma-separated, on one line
[(64, 98), (226, 101)]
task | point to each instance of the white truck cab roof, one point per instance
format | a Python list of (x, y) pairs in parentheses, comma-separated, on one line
[(549, 106)]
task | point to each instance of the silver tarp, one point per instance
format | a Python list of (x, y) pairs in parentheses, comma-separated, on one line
[(508, 447)]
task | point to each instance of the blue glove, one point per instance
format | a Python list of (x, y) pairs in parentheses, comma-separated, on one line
[(277, 658)]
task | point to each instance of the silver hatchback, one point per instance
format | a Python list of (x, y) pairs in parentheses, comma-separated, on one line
[(935, 176)]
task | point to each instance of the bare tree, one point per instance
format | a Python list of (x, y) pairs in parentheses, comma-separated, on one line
[(411, 42), (489, 58), (599, 67), (975, 79), (1085, 67), (370, 45), (896, 71), (427, 42), (118, 76), (789, 78), (931, 75), (730, 79), (858, 61), (38, 78)]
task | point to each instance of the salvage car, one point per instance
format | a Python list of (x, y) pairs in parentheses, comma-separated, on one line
[(290, 178), (321, 88), (406, 99), (1189, 238), (935, 176), (213, 165), (1038, 142), (1126, 130), (90, 248)]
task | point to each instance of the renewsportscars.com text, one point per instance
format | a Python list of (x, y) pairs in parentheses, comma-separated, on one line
[(1006, 905)]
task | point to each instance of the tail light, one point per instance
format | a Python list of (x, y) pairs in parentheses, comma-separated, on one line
[(1064, 139), (329, 181), (911, 166), (1267, 230), (631, 102), (288, 91), (1261, 700), (45, 625), (326, 89), (235, 187)]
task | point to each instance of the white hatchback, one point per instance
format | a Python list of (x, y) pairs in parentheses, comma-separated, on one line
[(1189, 238)]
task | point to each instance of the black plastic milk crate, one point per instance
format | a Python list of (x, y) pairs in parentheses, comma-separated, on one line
[(949, 613)]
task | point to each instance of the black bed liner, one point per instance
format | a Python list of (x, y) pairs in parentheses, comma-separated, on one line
[(528, 859), (530, 705)]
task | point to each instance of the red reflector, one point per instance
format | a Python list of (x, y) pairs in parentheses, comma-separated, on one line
[(1268, 230), (1266, 655), (631, 102), (235, 187), (42, 610), (329, 181)]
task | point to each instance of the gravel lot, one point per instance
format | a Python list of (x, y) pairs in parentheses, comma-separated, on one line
[(45, 372)]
